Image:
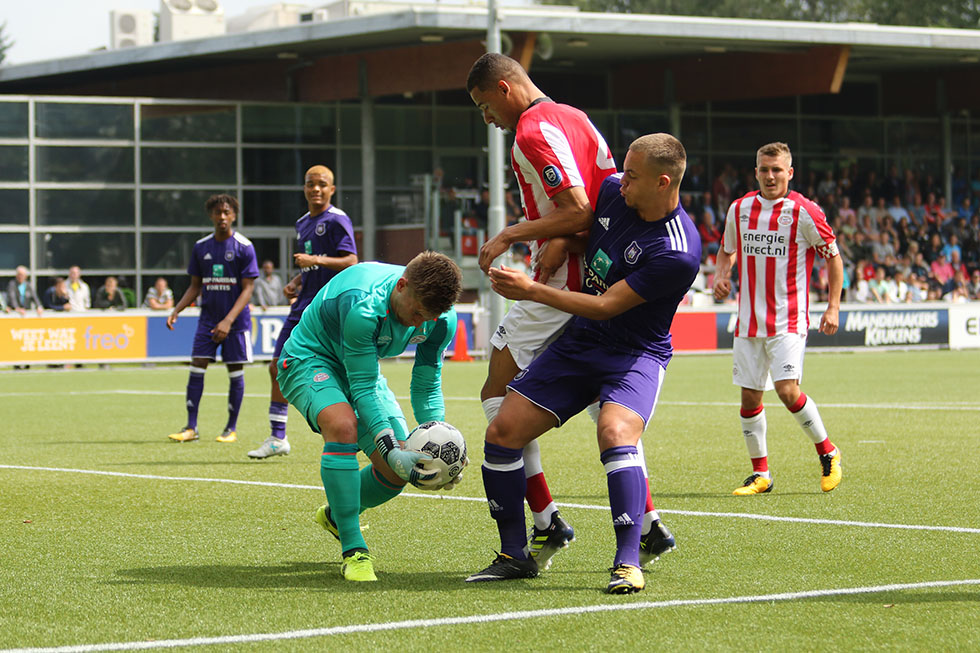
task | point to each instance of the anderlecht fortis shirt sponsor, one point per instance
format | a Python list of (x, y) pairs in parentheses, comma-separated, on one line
[(556, 147), (349, 324), (329, 233), (221, 265), (659, 261), (776, 241)]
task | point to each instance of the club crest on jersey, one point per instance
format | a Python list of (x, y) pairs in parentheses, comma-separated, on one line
[(384, 340), (785, 219), (601, 263), (551, 175), (229, 255), (417, 339), (632, 253), (320, 377), (520, 375), (320, 229), (604, 221), (218, 270)]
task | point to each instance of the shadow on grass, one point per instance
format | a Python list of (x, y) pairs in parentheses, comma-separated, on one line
[(324, 576)]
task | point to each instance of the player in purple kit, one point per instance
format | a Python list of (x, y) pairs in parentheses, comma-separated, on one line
[(223, 269), (325, 238), (642, 255)]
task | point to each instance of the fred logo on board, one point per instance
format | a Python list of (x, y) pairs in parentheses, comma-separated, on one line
[(551, 175)]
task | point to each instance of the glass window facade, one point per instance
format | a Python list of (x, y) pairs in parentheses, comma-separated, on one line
[(117, 186)]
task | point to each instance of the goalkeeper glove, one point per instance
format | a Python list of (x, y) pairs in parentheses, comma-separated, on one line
[(403, 462)]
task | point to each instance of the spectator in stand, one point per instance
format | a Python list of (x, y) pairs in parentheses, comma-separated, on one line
[(159, 297), (898, 290), (917, 210), (952, 246), (721, 190), (867, 216), (56, 297), (710, 234), (707, 205), (882, 247), (910, 187), (268, 290), (78, 290), (931, 210), (827, 185), (942, 213), (942, 271), (933, 247), (974, 286), (847, 215), (955, 291), (897, 211), (956, 262), (920, 267), (21, 295), (971, 242), (878, 287), (109, 295), (965, 209), (975, 188), (929, 185)]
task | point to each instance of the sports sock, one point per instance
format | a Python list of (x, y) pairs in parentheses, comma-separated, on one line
[(806, 413), (376, 489), (236, 390), (195, 388), (278, 413), (491, 407), (504, 484), (342, 485), (538, 494), (649, 511), (754, 430), (624, 477)]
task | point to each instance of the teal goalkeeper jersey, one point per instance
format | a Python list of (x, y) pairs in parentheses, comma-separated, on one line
[(348, 324)]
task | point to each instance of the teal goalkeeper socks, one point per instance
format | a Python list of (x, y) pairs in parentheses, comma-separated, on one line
[(342, 484), (376, 489)]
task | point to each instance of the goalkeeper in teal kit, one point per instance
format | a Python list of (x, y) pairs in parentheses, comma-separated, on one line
[(329, 371)]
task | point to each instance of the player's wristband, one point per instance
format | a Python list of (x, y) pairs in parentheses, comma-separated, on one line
[(385, 442)]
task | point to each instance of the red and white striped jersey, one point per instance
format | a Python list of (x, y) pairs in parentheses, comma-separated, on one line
[(557, 147), (776, 242)]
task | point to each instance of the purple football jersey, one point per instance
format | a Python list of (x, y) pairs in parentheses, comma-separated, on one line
[(659, 261), (222, 264), (328, 234)]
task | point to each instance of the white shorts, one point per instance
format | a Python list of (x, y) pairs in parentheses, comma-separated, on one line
[(528, 329), (760, 361)]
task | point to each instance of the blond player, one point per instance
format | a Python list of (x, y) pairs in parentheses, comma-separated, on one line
[(774, 234)]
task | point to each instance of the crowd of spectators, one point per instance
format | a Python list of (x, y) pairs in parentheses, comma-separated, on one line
[(72, 294), (899, 239)]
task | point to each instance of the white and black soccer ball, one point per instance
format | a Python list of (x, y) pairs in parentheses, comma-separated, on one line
[(445, 444)]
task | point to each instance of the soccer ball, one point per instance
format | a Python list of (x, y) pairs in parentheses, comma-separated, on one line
[(445, 444)]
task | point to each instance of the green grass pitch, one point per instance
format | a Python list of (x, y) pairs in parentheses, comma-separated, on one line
[(156, 552)]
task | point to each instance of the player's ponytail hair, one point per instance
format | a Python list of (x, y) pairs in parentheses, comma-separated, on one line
[(436, 281)]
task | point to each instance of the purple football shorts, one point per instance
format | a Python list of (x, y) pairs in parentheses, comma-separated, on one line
[(236, 348), (577, 368)]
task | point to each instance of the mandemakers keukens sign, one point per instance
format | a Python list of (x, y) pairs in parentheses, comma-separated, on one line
[(893, 327)]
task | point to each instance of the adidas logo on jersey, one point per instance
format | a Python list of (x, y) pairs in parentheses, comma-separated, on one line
[(207, 257), (623, 520), (605, 223)]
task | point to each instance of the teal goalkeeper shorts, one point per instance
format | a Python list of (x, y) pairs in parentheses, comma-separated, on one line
[(310, 385)]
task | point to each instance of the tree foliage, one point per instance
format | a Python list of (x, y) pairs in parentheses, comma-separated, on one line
[(5, 43), (963, 14)]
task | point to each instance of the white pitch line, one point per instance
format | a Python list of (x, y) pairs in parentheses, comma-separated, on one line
[(489, 618), (450, 497), (960, 406)]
